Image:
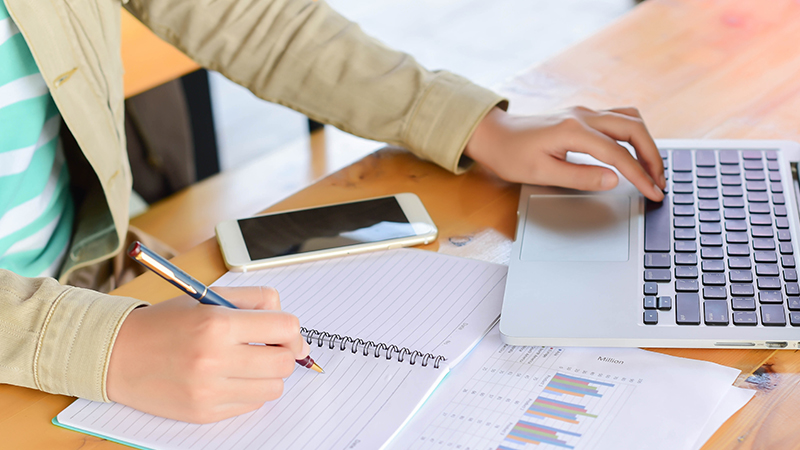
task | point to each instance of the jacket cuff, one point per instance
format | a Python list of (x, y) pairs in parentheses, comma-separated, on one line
[(445, 118), (75, 345)]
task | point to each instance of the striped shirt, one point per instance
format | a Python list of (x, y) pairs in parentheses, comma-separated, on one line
[(36, 209)]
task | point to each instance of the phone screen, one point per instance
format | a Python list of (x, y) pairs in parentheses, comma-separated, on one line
[(323, 228)]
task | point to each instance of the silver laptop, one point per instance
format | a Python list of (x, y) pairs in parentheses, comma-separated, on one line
[(714, 265)]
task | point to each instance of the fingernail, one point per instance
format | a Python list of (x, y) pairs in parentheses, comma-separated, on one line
[(663, 180), (607, 181), (658, 191)]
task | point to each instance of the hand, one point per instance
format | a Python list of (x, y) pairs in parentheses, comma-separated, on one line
[(533, 149), (188, 361)]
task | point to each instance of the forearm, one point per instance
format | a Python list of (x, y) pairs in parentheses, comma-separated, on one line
[(57, 338), (302, 54)]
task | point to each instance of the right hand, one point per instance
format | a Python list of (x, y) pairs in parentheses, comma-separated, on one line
[(188, 361)]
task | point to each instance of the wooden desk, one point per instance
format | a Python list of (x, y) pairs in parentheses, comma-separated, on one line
[(695, 68)]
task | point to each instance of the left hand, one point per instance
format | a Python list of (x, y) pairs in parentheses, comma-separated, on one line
[(533, 149)]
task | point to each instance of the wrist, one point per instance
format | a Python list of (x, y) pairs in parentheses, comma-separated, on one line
[(487, 135)]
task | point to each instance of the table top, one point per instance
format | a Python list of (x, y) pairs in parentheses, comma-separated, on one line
[(722, 69)]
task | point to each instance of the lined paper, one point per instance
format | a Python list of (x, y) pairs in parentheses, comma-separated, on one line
[(410, 298)]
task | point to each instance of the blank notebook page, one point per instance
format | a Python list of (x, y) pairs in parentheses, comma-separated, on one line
[(415, 299)]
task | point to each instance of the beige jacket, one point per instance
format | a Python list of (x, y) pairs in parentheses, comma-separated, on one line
[(298, 53)]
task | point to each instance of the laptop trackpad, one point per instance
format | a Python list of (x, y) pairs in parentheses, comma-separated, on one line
[(576, 228)]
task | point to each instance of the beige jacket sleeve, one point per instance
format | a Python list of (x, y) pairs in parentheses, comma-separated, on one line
[(304, 55), (56, 338)]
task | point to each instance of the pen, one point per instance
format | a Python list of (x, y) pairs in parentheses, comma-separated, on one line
[(189, 285)]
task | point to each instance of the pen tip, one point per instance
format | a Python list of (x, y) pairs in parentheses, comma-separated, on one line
[(317, 368)]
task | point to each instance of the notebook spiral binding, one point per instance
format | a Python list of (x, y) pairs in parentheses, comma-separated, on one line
[(366, 347)]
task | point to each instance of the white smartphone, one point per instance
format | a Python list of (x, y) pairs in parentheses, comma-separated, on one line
[(323, 232)]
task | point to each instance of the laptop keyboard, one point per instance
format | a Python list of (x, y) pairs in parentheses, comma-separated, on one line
[(719, 249)]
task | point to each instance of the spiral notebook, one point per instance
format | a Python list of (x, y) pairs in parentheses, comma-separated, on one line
[(386, 326)]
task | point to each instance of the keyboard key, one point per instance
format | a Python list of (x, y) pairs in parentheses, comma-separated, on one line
[(742, 290), (650, 288), (771, 155), (683, 210), (705, 158), (684, 233), (657, 275), (786, 248), (734, 213), (710, 228), (770, 297), (765, 257), (792, 289), (713, 266), (686, 246), (773, 315), (733, 202), (773, 165), (685, 199), (711, 240), (759, 197), (730, 169), (787, 261), (732, 191), (769, 283), (780, 222), (780, 210), (728, 157), (686, 259), (760, 219), (716, 312), (682, 161), (789, 275), (708, 194), (794, 318), (778, 199), (731, 180), (737, 237), (763, 244), (682, 177), (709, 216), (758, 208), (656, 227), (762, 231), (739, 263), (711, 253), (680, 222), (743, 303), (751, 154), (650, 302), (714, 279), (651, 317), (706, 172), (684, 188), (756, 186), (753, 165), (735, 225), (708, 205), (775, 177), (657, 260), (686, 272), (741, 276), (793, 303), (754, 175), (738, 250), (784, 235), (706, 183), (770, 270), (745, 318), (665, 303), (687, 309), (776, 188), (686, 286)]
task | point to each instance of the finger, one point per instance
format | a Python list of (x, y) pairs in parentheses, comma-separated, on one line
[(625, 124), (266, 327), (605, 149), (260, 362), (579, 176), (251, 297)]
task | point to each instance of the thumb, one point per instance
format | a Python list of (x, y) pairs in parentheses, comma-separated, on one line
[(251, 297)]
